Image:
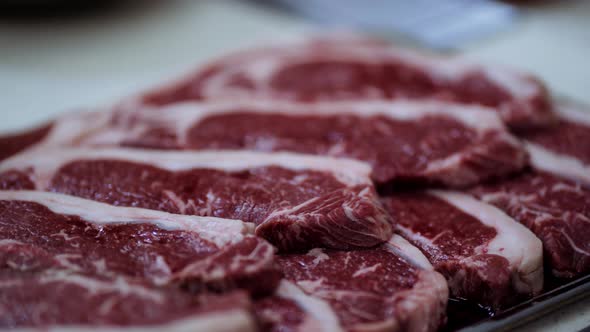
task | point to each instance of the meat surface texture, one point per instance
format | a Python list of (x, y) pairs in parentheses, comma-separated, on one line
[(379, 289), (329, 70), (487, 257), (297, 202), (405, 142), (553, 200), (122, 267), (38, 302)]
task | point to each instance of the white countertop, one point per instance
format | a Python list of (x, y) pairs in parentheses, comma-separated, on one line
[(52, 66)]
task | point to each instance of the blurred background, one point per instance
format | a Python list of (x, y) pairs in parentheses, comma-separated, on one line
[(58, 55)]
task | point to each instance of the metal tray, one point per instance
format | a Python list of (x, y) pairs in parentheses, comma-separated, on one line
[(466, 317)]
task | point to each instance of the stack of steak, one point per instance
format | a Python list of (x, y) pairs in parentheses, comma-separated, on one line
[(332, 184)]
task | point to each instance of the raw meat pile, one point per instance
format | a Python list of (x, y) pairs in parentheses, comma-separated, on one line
[(331, 184)]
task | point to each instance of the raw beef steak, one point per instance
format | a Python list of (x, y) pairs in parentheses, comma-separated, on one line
[(389, 288), (296, 201), (553, 200), (67, 129), (70, 301), (563, 149), (68, 263), (60, 232), (487, 257), (557, 210), (415, 142), (332, 70)]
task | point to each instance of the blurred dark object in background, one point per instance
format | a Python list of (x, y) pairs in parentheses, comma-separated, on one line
[(36, 9)]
